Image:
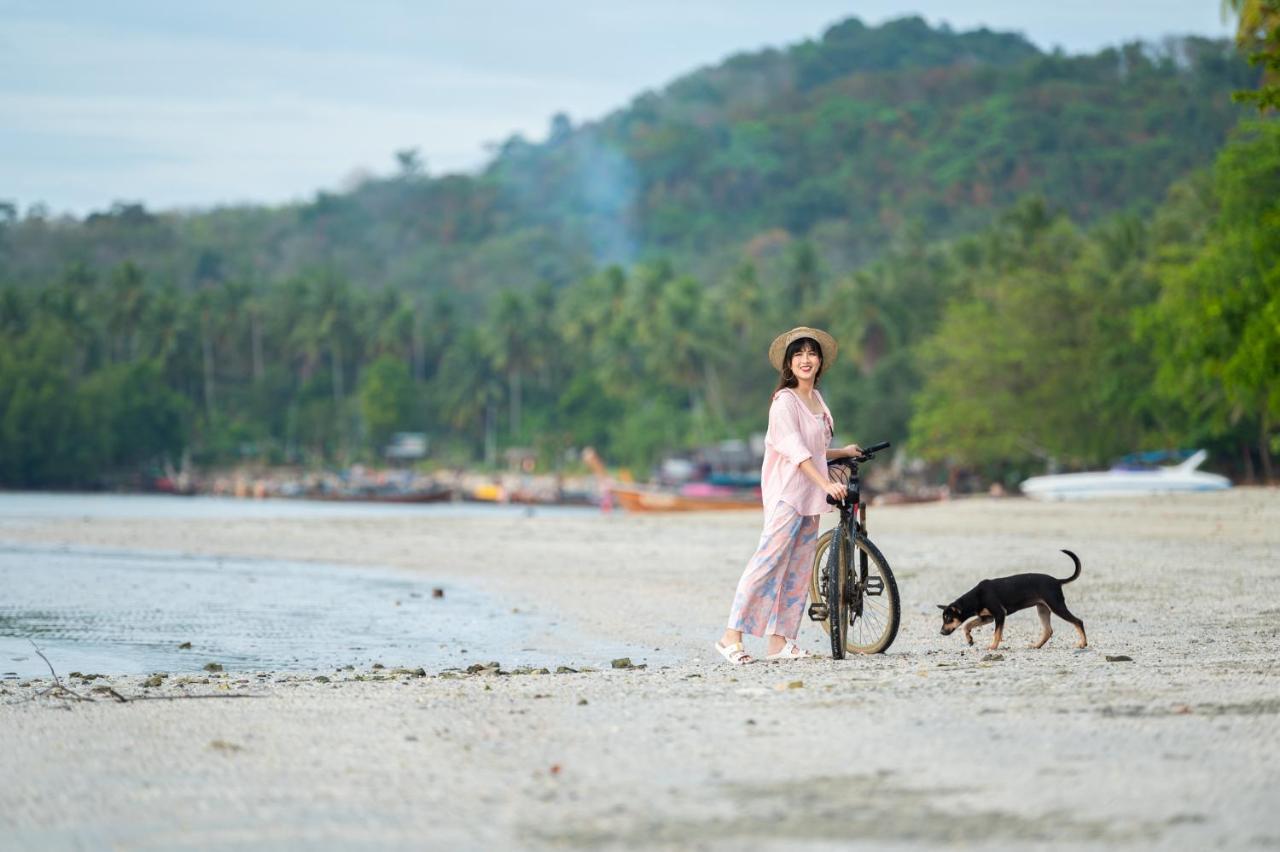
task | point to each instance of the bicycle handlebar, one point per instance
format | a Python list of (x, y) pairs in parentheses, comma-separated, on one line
[(867, 454)]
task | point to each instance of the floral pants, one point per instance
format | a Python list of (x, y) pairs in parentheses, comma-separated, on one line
[(771, 594)]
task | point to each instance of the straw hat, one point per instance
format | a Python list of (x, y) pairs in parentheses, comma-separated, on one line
[(778, 348)]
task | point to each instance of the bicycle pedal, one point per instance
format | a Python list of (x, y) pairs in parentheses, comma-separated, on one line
[(875, 586), (817, 612)]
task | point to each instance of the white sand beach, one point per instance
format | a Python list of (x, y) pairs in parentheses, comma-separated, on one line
[(931, 744)]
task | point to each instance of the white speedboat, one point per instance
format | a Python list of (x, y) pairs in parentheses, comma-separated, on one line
[(1126, 482)]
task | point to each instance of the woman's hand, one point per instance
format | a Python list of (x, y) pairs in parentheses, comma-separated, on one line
[(851, 451), (835, 490)]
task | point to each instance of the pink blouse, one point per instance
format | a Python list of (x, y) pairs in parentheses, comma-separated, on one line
[(795, 434)]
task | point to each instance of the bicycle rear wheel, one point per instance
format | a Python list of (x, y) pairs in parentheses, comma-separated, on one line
[(871, 608)]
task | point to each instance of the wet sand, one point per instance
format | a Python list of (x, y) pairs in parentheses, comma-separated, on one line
[(930, 744)]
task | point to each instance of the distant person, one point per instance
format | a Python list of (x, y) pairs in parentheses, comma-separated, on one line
[(793, 481)]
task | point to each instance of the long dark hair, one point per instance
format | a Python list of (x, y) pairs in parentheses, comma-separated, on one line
[(786, 378)]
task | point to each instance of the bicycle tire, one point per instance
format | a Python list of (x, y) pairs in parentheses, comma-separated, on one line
[(837, 570), (887, 608)]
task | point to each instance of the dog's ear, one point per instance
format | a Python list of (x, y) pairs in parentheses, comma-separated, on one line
[(941, 607)]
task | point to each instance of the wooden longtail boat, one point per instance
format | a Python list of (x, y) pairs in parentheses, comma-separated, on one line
[(637, 499), (435, 496)]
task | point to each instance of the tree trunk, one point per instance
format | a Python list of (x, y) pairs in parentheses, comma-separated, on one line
[(335, 352), (206, 346), (255, 326), (490, 434), (417, 349), (514, 392), (1264, 446), (714, 401), (1247, 455)]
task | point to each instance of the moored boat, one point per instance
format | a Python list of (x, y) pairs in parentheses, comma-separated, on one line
[(1126, 482), (432, 496), (639, 499)]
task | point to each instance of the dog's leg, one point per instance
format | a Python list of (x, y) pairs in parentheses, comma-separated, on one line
[(1059, 608), (1045, 629), (997, 613), (973, 625), (1084, 641)]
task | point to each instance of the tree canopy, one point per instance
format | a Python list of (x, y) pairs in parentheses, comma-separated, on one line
[(848, 141), (1030, 259)]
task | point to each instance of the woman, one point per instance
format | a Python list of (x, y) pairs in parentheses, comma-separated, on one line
[(793, 479)]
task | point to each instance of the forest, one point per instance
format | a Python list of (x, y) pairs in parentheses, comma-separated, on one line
[(1031, 260)]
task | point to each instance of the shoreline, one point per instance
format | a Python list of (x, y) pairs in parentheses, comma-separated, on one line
[(931, 744), (87, 609)]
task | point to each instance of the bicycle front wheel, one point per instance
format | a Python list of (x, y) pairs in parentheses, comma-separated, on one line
[(871, 608), (836, 573)]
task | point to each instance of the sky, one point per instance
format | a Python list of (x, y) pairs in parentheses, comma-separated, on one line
[(185, 105)]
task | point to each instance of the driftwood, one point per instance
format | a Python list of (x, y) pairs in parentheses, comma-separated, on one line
[(60, 690), (57, 687)]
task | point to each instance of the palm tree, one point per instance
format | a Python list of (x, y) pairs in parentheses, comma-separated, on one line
[(1258, 31), (804, 279), (74, 303), (204, 309), (125, 309), (255, 307), (334, 325), (510, 343), (1251, 18), (468, 388)]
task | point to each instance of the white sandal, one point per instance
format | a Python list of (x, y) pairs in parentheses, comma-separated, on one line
[(789, 651), (735, 654)]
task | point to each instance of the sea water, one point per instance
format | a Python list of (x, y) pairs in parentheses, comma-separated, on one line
[(27, 505), (103, 611)]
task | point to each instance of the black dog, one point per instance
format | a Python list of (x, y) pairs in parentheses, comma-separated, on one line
[(992, 600)]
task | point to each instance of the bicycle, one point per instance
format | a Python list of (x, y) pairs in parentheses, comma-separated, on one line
[(855, 600)]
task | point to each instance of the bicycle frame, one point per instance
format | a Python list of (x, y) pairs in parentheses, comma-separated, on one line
[(853, 525), (853, 512), (851, 528)]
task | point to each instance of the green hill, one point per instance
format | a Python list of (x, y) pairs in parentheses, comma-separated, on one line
[(847, 140), (1026, 256)]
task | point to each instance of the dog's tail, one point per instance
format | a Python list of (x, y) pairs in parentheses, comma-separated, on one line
[(1076, 560)]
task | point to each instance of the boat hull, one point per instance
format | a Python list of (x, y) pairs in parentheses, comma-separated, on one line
[(408, 497), (1092, 486), (645, 500)]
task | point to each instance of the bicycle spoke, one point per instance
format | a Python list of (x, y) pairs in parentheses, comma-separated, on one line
[(872, 617), (868, 621)]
